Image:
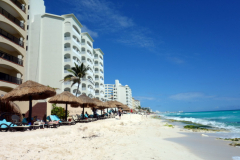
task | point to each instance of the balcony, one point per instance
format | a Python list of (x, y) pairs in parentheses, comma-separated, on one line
[(12, 18), (67, 49), (11, 58), (77, 52), (77, 62), (95, 57), (90, 55), (89, 63), (90, 73), (91, 81), (76, 32), (66, 71), (96, 79), (7, 78), (67, 38), (11, 38), (67, 60), (78, 43), (84, 88), (102, 88), (20, 5)]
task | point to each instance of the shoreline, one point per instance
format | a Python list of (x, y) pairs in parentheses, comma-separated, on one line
[(132, 137), (203, 143)]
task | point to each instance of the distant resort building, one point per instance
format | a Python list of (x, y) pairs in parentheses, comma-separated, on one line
[(119, 93), (135, 103)]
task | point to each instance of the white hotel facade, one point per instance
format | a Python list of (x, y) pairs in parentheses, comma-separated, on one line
[(55, 44), (119, 93)]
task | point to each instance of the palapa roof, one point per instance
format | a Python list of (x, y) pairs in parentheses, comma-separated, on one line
[(115, 103), (86, 101), (65, 97), (110, 105), (101, 104), (27, 89), (125, 107)]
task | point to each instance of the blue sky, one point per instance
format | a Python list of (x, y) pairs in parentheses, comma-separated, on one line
[(175, 55)]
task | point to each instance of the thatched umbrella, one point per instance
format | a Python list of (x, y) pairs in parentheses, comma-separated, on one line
[(29, 91), (10, 107), (110, 105), (100, 104), (116, 103), (86, 102), (65, 98)]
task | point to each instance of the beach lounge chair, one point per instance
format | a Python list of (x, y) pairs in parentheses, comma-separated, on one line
[(92, 117), (85, 120), (56, 118), (75, 118), (9, 126)]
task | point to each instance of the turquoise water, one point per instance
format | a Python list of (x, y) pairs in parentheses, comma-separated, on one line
[(229, 120)]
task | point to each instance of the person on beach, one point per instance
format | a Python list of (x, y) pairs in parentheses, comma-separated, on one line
[(119, 113)]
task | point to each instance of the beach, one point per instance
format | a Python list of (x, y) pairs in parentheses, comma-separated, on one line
[(132, 137)]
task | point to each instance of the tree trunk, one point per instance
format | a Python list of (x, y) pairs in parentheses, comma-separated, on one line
[(78, 87)]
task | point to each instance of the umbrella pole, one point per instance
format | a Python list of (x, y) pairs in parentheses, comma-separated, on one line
[(101, 111), (83, 111), (66, 112), (30, 110)]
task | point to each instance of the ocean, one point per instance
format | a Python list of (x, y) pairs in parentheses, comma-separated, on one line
[(229, 120)]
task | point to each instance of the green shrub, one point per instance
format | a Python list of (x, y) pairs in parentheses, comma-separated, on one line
[(59, 111), (168, 125)]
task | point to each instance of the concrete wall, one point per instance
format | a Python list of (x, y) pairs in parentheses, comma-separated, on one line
[(51, 57)]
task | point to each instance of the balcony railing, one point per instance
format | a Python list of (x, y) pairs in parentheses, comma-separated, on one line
[(67, 38), (11, 79), (11, 58), (20, 5), (67, 60), (11, 38), (12, 18), (67, 49)]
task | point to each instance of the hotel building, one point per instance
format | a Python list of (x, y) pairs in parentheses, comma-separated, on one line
[(119, 93), (13, 36), (55, 44)]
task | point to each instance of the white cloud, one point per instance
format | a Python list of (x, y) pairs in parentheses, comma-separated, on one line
[(92, 33), (101, 13), (106, 18), (137, 38), (198, 95), (189, 96), (145, 98)]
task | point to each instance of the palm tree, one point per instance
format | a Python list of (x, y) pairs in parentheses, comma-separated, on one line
[(77, 73)]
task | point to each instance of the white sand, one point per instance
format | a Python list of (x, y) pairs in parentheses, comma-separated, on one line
[(131, 138)]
